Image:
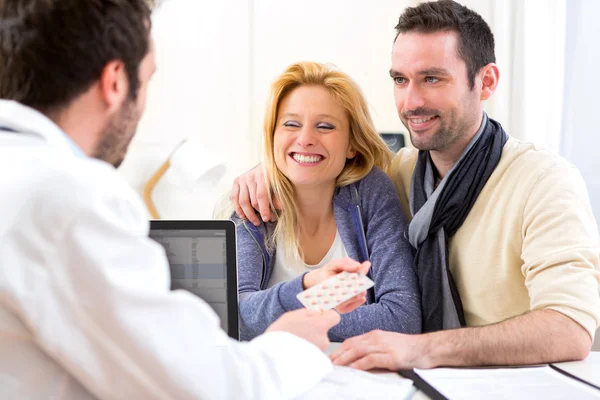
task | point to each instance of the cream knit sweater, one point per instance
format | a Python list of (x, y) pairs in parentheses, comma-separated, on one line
[(530, 241)]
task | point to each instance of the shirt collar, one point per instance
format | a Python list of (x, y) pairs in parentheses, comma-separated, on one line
[(20, 118), (74, 147)]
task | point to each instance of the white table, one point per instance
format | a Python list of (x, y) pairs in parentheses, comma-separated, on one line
[(588, 370)]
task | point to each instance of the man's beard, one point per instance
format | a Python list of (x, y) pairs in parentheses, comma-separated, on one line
[(445, 136), (453, 125), (118, 134)]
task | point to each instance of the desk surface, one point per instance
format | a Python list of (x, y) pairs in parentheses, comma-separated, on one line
[(588, 370)]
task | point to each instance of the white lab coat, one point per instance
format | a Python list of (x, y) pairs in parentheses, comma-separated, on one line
[(85, 306)]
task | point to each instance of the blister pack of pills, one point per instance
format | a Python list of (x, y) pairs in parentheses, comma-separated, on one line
[(334, 291)]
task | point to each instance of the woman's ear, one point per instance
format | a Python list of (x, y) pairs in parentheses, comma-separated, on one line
[(351, 153)]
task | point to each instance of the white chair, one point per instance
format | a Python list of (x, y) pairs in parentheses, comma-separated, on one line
[(198, 167)]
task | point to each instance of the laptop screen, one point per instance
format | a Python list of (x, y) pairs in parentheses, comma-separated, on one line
[(198, 260)]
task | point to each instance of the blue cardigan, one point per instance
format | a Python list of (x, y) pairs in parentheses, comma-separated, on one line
[(371, 225)]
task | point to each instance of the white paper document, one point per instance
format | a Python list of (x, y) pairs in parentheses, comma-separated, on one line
[(506, 383), (588, 369), (351, 384)]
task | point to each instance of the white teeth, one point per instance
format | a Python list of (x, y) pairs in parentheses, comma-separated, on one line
[(306, 159), (421, 120)]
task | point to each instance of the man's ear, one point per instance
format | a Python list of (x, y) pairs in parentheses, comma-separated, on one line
[(490, 74), (114, 85)]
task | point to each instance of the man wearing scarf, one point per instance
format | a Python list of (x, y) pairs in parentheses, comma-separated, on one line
[(506, 245), (506, 242)]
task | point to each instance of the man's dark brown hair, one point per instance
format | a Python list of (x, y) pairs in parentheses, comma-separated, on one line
[(51, 51), (475, 38)]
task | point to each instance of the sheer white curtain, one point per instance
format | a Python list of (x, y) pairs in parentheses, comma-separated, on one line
[(530, 37), (581, 119)]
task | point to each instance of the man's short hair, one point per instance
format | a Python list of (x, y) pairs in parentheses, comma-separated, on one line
[(475, 38), (52, 51)]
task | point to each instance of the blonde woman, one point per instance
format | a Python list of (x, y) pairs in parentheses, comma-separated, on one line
[(323, 161)]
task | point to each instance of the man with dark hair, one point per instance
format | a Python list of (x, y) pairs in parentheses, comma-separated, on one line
[(85, 305), (506, 242)]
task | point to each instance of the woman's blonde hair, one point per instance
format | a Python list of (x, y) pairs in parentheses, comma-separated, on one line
[(370, 148)]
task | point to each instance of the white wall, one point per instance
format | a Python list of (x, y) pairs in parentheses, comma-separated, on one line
[(216, 61), (200, 90), (354, 35)]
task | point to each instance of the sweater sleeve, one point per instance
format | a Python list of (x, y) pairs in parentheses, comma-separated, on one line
[(259, 308), (560, 248), (396, 305)]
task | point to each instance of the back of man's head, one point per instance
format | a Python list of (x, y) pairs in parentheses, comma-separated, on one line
[(475, 38), (52, 51)]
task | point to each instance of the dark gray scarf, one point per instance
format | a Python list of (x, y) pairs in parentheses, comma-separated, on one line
[(437, 215)]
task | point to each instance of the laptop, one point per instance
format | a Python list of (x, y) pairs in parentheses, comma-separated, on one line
[(202, 260)]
